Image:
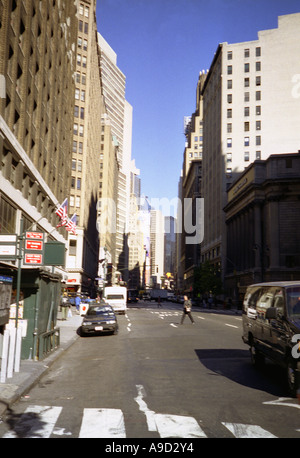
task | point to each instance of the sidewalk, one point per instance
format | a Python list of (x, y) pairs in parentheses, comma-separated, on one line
[(31, 371)]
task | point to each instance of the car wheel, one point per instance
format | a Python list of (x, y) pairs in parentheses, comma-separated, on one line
[(257, 359), (82, 333), (291, 378)]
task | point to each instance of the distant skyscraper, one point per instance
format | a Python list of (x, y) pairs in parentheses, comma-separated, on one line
[(119, 112)]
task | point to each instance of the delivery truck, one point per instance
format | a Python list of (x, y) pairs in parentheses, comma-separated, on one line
[(116, 297)]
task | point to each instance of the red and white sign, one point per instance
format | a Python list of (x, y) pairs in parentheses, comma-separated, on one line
[(33, 258), (35, 235), (34, 245)]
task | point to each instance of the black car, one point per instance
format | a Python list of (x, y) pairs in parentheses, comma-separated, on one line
[(99, 318), (271, 327)]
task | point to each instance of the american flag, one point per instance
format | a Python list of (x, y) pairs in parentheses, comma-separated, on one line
[(62, 212), (71, 224)]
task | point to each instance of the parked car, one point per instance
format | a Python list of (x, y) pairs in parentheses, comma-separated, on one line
[(271, 326), (99, 318)]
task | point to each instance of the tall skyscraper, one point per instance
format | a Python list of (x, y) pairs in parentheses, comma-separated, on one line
[(120, 114), (83, 253), (37, 64)]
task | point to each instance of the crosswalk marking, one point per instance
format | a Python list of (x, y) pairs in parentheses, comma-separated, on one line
[(37, 421), (40, 422), (177, 426), (247, 431), (102, 423)]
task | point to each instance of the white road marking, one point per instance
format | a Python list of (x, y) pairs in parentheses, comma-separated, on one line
[(177, 426), (247, 431), (168, 425), (282, 402), (231, 326), (36, 422), (102, 423)]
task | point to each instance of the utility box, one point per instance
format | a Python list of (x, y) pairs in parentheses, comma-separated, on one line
[(38, 306)]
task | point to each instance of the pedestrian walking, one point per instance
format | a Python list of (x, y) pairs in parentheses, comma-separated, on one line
[(158, 302), (187, 307), (77, 302), (64, 306)]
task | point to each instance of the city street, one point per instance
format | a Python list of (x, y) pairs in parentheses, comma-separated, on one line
[(158, 379)]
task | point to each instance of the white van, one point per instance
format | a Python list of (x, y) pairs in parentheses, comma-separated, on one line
[(116, 297)]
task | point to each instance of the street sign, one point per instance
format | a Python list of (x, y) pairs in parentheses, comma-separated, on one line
[(8, 247), (34, 241), (33, 245), (34, 235), (33, 259)]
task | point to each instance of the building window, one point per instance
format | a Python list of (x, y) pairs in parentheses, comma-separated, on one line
[(229, 142), (229, 127), (258, 81), (247, 52), (246, 82), (76, 111), (229, 55), (80, 147), (258, 125), (246, 156), (229, 70), (246, 96), (246, 141), (246, 126), (74, 146), (77, 92), (246, 111), (258, 95), (229, 113), (229, 84), (229, 157), (258, 66), (258, 140), (79, 166), (79, 183), (81, 112), (75, 129), (258, 110), (81, 131), (258, 155), (229, 98), (257, 51), (247, 67)]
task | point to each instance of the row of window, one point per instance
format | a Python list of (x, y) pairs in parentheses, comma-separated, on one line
[(246, 156), (246, 53), (246, 68), (246, 141)]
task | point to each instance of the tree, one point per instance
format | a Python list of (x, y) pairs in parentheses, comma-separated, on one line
[(207, 280)]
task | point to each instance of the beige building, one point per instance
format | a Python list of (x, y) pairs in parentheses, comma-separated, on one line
[(251, 110), (157, 233), (191, 187), (37, 65), (83, 253), (263, 219), (119, 113)]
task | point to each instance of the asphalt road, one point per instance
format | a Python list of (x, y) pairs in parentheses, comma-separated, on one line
[(158, 379)]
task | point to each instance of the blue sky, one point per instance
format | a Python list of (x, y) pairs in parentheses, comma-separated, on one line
[(161, 46)]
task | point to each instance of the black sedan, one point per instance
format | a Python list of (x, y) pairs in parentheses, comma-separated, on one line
[(99, 318)]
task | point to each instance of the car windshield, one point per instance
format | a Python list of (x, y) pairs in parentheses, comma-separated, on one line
[(99, 310), (115, 296), (293, 301)]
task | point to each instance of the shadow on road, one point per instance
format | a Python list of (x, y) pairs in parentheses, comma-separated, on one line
[(235, 365)]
